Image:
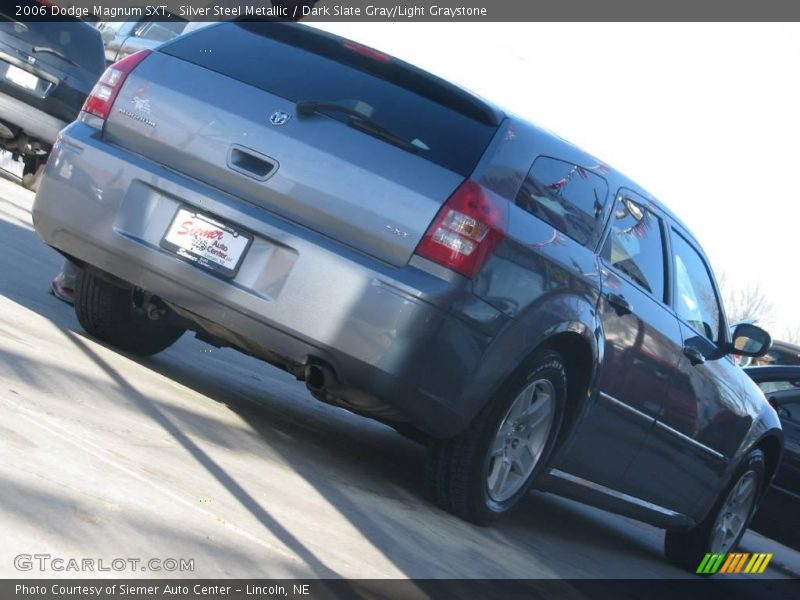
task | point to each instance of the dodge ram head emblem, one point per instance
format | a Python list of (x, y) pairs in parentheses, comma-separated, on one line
[(279, 117)]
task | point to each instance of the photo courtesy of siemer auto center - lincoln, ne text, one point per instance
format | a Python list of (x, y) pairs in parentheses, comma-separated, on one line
[(353, 299)]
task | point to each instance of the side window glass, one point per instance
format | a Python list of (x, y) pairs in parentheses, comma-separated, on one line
[(568, 197), (778, 386), (161, 31), (110, 28), (790, 411), (695, 299), (635, 245)]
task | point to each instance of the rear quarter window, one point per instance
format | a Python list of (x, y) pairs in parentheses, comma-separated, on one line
[(447, 125), (569, 197)]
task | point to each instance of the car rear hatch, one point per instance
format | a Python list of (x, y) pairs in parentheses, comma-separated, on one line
[(220, 105), (51, 66)]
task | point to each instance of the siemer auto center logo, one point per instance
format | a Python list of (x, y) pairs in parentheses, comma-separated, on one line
[(734, 563)]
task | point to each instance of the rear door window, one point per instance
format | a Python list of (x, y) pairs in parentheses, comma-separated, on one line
[(567, 196), (635, 245), (445, 124)]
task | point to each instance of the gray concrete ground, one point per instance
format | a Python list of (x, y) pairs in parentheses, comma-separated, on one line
[(205, 454)]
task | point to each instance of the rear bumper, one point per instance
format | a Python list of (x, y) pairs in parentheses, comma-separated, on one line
[(36, 123), (392, 332)]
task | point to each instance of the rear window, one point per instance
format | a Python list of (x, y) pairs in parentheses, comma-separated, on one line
[(447, 125), (569, 197), (77, 42)]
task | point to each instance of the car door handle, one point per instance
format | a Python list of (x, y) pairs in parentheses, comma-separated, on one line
[(694, 355), (620, 305), (251, 163)]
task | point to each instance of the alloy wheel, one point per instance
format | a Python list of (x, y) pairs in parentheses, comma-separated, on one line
[(520, 439), (734, 514)]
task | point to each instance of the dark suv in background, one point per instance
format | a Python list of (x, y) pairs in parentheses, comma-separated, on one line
[(47, 70), (421, 257)]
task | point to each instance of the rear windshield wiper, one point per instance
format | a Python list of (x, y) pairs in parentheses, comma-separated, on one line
[(54, 52), (358, 121)]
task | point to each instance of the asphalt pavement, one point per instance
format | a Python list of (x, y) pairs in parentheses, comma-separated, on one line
[(207, 455)]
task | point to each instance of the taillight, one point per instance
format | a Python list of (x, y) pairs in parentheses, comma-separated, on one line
[(105, 91), (466, 230)]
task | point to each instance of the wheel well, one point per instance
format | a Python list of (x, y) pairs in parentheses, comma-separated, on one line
[(771, 448), (578, 361)]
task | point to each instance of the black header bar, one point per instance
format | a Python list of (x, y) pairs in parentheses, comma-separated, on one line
[(409, 10)]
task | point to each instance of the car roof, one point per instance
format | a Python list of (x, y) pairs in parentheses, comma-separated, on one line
[(786, 347), (494, 112), (615, 178)]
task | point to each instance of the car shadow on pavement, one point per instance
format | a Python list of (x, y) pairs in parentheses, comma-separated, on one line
[(346, 456), (244, 498), (370, 474)]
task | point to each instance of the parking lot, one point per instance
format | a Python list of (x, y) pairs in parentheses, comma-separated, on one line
[(208, 455)]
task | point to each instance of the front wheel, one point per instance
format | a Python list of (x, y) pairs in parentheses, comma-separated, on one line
[(484, 472), (722, 530)]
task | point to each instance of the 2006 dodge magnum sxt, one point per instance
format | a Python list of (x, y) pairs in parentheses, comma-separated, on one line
[(418, 256)]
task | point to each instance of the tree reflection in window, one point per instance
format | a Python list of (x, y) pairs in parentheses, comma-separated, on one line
[(569, 197), (695, 299), (635, 246)]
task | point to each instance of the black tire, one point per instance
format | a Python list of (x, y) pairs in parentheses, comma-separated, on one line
[(32, 178), (686, 549), (107, 312), (458, 468)]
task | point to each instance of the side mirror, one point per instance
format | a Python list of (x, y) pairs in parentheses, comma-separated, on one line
[(749, 340)]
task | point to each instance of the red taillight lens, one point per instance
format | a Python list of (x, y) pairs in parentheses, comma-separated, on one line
[(105, 91), (466, 230)]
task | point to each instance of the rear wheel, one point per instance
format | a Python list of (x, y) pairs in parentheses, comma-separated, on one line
[(723, 528), (112, 314), (484, 472)]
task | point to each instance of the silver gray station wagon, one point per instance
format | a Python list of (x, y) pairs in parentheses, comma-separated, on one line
[(420, 257)]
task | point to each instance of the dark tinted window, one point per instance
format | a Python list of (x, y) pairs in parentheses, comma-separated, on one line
[(778, 386), (79, 42), (635, 245), (567, 196), (445, 124), (695, 299)]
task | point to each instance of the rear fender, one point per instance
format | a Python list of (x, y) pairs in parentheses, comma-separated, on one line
[(563, 318)]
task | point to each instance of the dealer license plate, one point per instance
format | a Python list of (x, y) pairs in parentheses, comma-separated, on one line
[(207, 243)]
